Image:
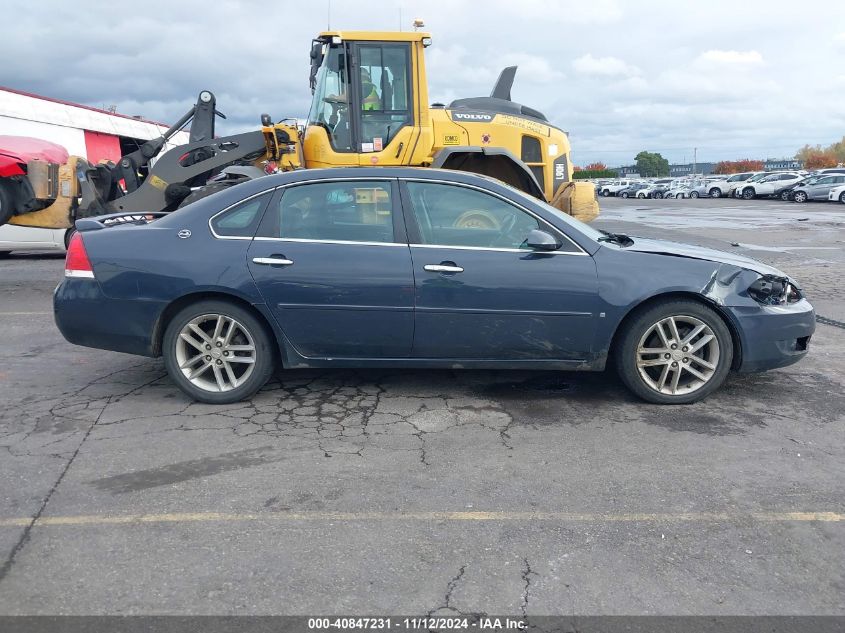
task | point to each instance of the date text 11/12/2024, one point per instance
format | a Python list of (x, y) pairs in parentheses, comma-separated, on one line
[(417, 624)]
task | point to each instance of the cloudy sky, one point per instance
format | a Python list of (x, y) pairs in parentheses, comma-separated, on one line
[(733, 78)]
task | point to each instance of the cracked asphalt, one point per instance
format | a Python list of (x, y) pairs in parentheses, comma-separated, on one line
[(430, 492)]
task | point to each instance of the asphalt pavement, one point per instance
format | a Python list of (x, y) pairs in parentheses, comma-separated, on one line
[(418, 492)]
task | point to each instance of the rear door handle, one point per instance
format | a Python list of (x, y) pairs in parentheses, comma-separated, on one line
[(272, 261), (442, 268)]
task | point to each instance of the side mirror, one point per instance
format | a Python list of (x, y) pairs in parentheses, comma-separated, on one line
[(542, 241)]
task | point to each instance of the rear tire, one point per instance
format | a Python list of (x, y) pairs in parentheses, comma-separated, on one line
[(842, 197), (715, 192), (785, 196), (748, 193), (6, 209), (224, 343), (800, 196), (693, 194), (624, 194), (708, 354), (657, 195)]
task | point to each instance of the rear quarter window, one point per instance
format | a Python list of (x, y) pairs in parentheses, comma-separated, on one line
[(242, 219)]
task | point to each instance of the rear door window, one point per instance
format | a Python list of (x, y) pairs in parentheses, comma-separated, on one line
[(342, 211)]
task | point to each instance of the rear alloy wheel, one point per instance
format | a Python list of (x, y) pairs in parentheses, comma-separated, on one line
[(624, 194), (658, 195), (605, 193), (748, 193), (715, 192), (785, 196), (677, 352), (217, 352), (693, 194), (800, 196)]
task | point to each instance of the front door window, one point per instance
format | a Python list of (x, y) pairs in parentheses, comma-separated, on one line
[(449, 215)]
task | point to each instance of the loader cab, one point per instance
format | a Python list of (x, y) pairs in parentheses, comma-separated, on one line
[(367, 88)]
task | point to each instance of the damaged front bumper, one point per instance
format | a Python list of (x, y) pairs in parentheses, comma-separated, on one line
[(773, 336)]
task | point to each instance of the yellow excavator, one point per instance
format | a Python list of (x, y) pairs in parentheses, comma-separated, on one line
[(369, 108)]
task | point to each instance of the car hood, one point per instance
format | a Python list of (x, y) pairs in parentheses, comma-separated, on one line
[(678, 249)]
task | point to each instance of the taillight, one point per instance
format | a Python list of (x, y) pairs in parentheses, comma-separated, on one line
[(77, 263)]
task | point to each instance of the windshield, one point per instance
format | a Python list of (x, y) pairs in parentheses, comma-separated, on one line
[(330, 104)]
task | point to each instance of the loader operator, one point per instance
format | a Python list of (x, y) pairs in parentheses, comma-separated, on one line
[(371, 99)]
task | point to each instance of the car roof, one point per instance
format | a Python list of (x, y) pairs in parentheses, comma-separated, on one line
[(329, 173)]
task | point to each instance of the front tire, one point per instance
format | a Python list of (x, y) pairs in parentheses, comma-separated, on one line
[(800, 196), (785, 196), (693, 194), (218, 352), (842, 197), (675, 352), (748, 194), (624, 194), (715, 192)]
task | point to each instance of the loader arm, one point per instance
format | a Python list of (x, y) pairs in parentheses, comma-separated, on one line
[(165, 186)]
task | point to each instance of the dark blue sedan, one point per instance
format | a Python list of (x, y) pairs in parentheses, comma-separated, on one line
[(402, 267)]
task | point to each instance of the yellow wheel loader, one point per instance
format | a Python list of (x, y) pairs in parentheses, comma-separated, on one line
[(369, 108)]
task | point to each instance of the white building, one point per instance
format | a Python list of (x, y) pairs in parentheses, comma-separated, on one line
[(82, 130)]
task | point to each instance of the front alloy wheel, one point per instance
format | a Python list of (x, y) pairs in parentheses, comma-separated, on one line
[(677, 355), (217, 352), (842, 197), (800, 196), (674, 353)]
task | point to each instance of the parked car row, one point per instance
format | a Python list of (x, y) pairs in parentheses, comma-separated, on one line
[(797, 186)]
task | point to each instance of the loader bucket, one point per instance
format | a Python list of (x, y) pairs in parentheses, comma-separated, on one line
[(60, 213), (577, 199)]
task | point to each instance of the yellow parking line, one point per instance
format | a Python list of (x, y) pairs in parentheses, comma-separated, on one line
[(504, 516)]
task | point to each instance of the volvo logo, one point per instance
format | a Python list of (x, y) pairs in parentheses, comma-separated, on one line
[(471, 116), (184, 234)]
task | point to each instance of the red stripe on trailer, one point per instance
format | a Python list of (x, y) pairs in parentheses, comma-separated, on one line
[(99, 146)]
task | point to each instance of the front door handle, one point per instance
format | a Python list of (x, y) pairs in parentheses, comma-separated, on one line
[(273, 261), (443, 268)]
